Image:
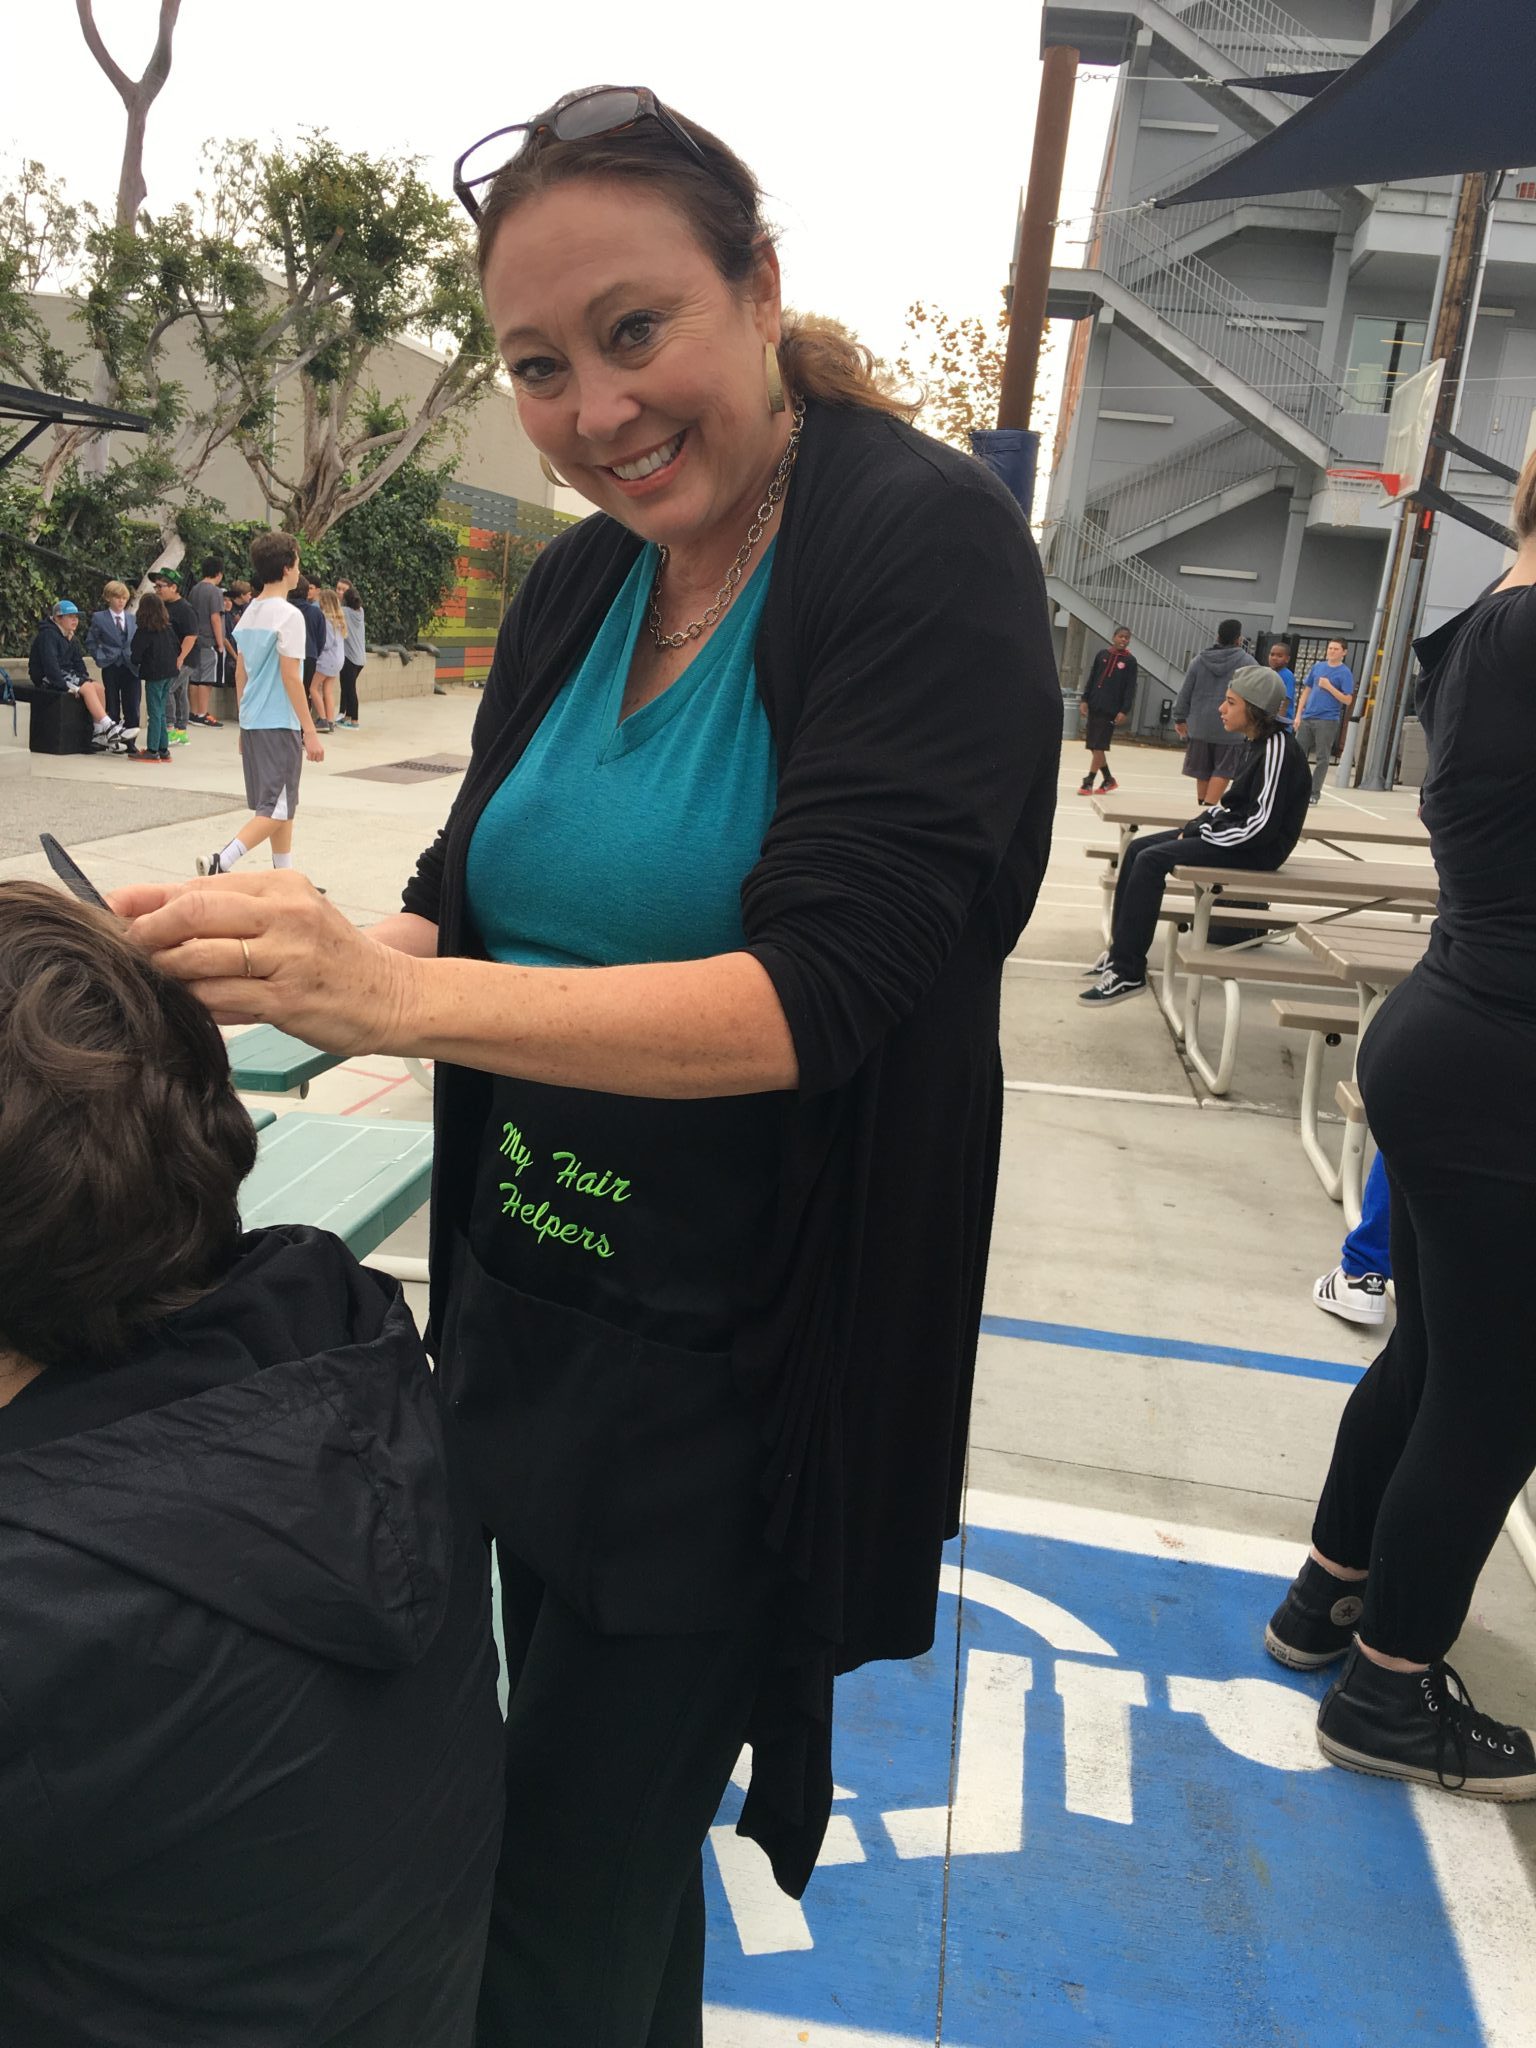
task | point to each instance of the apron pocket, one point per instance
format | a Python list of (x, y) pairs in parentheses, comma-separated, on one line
[(623, 1470)]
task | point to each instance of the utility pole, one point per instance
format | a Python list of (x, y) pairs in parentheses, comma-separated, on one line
[(1037, 236), (1416, 524), (1009, 449)]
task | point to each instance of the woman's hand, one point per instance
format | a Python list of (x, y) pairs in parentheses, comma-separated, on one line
[(268, 949)]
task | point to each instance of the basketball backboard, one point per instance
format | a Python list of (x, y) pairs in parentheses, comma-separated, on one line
[(1409, 426)]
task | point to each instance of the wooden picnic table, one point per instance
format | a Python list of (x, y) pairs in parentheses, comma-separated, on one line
[(1323, 825), (1373, 958), (1337, 888)]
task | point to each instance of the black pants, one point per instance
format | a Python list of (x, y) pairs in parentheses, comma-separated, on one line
[(619, 1750), (1440, 1435), (1139, 892), (121, 688), (350, 671)]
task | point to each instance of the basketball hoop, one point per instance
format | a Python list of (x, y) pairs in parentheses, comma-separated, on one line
[(1352, 477)]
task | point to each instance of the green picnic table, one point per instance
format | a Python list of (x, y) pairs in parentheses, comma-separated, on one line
[(359, 1177), (266, 1061)]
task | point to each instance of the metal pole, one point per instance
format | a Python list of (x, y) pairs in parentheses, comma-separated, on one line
[(1453, 327), (1037, 235)]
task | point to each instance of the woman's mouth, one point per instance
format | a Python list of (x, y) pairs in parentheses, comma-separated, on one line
[(650, 467)]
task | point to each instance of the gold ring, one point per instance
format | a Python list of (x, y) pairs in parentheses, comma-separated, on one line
[(245, 949)]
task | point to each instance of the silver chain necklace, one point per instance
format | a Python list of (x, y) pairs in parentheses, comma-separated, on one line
[(696, 628)]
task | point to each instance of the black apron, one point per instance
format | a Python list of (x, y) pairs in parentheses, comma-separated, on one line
[(615, 1244)]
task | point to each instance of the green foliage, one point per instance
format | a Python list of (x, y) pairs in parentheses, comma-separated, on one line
[(393, 547), (84, 537)]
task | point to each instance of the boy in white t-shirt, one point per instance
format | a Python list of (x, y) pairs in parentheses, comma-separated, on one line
[(277, 730)]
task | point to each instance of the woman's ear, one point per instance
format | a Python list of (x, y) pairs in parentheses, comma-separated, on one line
[(764, 291)]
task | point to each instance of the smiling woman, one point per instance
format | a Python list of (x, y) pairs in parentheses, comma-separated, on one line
[(760, 801)]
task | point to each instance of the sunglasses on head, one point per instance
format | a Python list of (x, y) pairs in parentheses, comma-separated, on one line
[(605, 110)]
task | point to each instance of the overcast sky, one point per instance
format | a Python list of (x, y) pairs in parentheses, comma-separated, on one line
[(892, 146)]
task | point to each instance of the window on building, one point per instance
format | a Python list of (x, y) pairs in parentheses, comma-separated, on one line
[(1381, 354)]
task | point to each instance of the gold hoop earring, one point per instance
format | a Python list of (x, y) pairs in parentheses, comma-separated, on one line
[(775, 377), (553, 474)]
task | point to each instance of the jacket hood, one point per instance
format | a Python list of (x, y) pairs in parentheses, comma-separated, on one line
[(1220, 664), (273, 1452)]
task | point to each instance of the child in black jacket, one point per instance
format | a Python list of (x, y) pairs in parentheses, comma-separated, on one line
[(1256, 825), (250, 1752)]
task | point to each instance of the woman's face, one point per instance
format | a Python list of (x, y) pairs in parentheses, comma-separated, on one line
[(624, 343)]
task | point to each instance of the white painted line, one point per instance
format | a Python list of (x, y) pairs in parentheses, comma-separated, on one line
[(840, 1844), (1258, 1718), (1119, 1095), (768, 1921), (1096, 1702), (1487, 1898), (988, 1813), (726, 2029), (1054, 1625), (1104, 1529)]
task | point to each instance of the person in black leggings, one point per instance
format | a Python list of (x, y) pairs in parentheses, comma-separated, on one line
[(1256, 825), (1439, 1437)]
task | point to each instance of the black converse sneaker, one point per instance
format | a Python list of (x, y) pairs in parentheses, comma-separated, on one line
[(1112, 988), (1410, 1724), (1315, 1622)]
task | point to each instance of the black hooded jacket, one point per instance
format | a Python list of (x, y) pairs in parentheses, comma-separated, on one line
[(250, 1751)]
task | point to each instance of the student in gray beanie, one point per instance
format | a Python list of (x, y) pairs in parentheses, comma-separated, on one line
[(1256, 825)]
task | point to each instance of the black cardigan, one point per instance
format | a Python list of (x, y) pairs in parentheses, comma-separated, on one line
[(904, 662)]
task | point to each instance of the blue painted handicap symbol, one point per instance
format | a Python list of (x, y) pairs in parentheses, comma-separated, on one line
[(1145, 1848)]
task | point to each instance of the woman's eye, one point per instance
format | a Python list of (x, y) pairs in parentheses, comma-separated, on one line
[(635, 330), (535, 369)]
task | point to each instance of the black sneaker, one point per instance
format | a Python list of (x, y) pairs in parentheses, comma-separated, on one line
[(1410, 1724), (1315, 1622), (1085, 787), (1112, 988), (1108, 786)]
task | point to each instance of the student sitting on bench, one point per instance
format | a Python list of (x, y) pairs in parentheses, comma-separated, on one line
[(250, 1753), (1256, 825)]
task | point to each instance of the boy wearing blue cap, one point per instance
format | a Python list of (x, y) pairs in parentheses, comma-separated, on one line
[(57, 662)]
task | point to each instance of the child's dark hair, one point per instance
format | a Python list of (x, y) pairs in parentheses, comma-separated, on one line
[(272, 554), (152, 614), (122, 1143)]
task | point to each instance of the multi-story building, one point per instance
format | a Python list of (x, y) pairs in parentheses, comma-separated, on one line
[(1227, 354)]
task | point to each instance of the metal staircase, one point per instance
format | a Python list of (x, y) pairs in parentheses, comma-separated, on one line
[(1105, 587), (1194, 320), (1181, 491), (1256, 36)]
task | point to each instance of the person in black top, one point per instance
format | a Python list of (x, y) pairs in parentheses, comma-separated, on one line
[(1439, 1437), (250, 1752), (178, 708), (1256, 825), (720, 1465), (314, 627), (1106, 703)]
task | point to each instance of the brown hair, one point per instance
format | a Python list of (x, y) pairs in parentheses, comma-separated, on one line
[(152, 614), (723, 206), (271, 555), (122, 1143), (1524, 514)]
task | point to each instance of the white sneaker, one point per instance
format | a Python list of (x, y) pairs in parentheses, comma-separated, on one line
[(1357, 1299)]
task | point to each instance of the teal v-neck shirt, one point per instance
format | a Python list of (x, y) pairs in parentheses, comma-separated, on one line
[(612, 842)]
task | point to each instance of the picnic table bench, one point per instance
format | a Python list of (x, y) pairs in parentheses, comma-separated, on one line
[(360, 1177), (1130, 814), (266, 1061), (1338, 888)]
